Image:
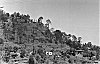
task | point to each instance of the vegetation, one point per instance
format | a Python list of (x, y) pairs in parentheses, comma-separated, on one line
[(21, 30)]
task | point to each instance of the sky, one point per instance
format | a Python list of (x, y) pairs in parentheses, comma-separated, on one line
[(77, 17)]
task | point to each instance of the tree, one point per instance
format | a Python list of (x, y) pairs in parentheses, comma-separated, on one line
[(48, 22), (7, 14), (89, 44), (48, 34), (40, 19), (64, 36), (28, 16), (74, 38), (97, 53), (79, 39), (52, 29), (1, 13), (69, 36), (4, 18), (58, 34)]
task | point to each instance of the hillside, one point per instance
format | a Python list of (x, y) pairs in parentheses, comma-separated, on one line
[(22, 33)]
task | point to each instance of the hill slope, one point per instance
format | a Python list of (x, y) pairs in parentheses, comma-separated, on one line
[(26, 33)]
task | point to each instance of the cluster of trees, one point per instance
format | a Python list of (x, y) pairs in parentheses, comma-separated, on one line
[(15, 24)]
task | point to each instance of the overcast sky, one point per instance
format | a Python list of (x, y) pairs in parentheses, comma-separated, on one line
[(79, 17)]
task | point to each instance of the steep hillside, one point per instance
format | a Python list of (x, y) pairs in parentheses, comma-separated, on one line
[(26, 34)]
